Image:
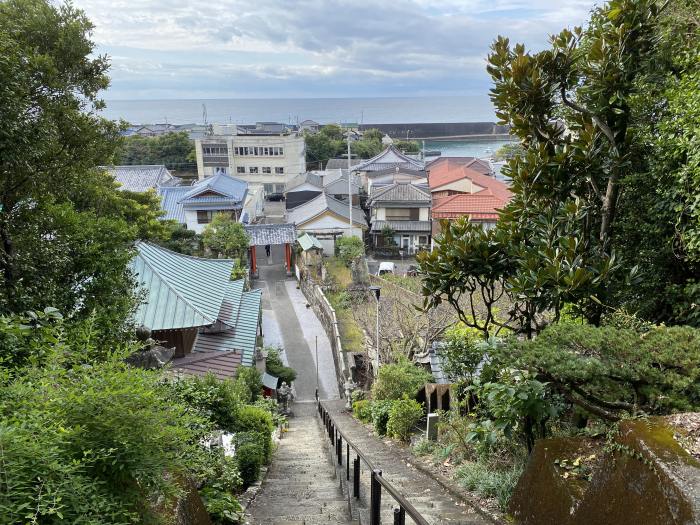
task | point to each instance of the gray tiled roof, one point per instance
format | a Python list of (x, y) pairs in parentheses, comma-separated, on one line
[(263, 234), (389, 158), (402, 226), (399, 192), (141, 178), (170, 198), (305, 178), (319, 205), (340, 187), (335, 164)]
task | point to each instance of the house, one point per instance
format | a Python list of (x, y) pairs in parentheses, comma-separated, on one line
[(327, 219), (309, 125), (191, 304), (141, 178), (403, 208), (342, 163), (391, 157), (465, 187), (195, 206), (266, 156), (333, 182), (396, 174)]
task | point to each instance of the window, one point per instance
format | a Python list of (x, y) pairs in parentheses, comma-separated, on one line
[(402, 214), (215, 149), (422, 239), (279, 170), (269, 188), (203, 217), (279, 188), (267, 170), (252, 169), (240, 169)]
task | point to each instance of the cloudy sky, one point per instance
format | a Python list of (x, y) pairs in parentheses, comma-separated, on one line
[(313, 48)]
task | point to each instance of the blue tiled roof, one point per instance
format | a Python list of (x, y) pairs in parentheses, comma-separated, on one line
[(225, 185), (170, 202), (180, 291)]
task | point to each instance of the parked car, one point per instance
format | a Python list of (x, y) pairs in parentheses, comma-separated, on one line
[(386, 267), (412, 270)]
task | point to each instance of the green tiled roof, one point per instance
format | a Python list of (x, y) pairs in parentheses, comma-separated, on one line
[(308, 241), (180, 291)]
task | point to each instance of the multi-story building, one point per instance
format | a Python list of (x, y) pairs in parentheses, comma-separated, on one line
[(265, 159)]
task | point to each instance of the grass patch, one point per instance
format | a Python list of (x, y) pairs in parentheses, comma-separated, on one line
[(489, 482), (341, 274)]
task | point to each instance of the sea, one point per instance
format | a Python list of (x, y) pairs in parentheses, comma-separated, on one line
[(377, 110)]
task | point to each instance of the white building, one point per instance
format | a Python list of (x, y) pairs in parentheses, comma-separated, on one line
[(267, 160)]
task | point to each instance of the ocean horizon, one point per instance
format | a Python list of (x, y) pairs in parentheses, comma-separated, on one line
[(371, 110)]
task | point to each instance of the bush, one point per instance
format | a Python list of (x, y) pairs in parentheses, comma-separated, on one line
[(214, 399), (380, 415), (221, 506), (362, 410), (251, 381), (403, 416), (250, 456), (399, 380), (257, 420), (276, 367), (349, 248), (489, 482)]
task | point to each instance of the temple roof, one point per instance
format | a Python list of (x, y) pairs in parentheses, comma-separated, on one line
[(391, 157)]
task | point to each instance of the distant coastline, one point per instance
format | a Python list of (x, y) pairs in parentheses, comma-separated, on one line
[(387, 110)]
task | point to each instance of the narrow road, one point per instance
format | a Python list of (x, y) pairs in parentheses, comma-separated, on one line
[(297, 328)]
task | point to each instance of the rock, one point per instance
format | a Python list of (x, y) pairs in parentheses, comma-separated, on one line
[(151, 358), (650, 479)]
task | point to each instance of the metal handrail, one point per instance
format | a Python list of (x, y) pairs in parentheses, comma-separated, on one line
[(405, 506)]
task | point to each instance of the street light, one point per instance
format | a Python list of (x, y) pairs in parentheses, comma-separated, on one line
[(376, 290)]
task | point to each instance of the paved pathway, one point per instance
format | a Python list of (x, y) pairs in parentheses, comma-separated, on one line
[(296, 327), (428, 497), (301, 486)]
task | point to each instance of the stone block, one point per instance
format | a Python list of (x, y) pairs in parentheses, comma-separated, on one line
[(431, 427)]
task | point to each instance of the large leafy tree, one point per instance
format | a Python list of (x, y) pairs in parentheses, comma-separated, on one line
[(226, 236), (65, 231), (175, 150)]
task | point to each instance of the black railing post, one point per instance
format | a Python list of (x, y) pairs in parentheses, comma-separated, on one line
[(347, 461), (356, 477), (375, 499), (339, 449), (399, 516)]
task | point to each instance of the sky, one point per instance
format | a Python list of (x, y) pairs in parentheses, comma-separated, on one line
[(173, 49)]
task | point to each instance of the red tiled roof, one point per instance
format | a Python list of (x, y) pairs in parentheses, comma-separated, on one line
[(450, 170), (477, 206), (222, 364)]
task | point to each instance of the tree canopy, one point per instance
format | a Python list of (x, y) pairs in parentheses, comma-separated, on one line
[(174, 150), (226, 236)]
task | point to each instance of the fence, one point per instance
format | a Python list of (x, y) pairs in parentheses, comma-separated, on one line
[(326, 314), (377, 482)]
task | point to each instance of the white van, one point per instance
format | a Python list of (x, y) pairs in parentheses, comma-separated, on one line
[(386, 267)]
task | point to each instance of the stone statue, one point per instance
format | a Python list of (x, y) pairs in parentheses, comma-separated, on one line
[(349, 386), (151, 355), (284, 395)]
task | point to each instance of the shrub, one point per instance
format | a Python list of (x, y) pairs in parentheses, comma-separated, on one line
[(403, 416), (257, 420), (214, 399), (221, 506), (277, 368), (362, 410), (424, 447), (380, 415), (250, 456), (251, 381), (349, 248), (399, 380), (489, 482)]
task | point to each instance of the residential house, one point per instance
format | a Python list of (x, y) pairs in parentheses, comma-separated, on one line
[(395, 174), (261, 157), (327, 219), (195, 206), (403, 208), (390, 158), (342, 163), (141, 178), (465, 187), (333, 182), (309, 125), (191, 304)]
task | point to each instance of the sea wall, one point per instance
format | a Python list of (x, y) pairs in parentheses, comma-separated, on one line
[(438, 130)]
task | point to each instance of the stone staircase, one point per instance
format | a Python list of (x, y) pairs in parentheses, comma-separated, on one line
[(301, 486), (427, 496)]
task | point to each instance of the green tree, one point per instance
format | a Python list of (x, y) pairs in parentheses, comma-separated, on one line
[(226, 236), (174, 150), (507, 151), (65, 231), (407, 146), (372, 134)]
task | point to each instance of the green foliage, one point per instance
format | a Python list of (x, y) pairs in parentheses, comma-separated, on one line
[(349, 249), (490, 482), (380, 414), (362, 410), (424, 447), (222, 506), (330, 143), (609, 371), (179, 239), (256, 421), (218, 401), (175, 150), (507, 151), (250, 456), (252, 379), (463, 351), (276, 367), (399, 380), (407, 146), (226, 236), (89, 440), (404, 415)]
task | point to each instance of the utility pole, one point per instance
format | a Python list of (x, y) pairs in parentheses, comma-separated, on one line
[(349, 183)]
